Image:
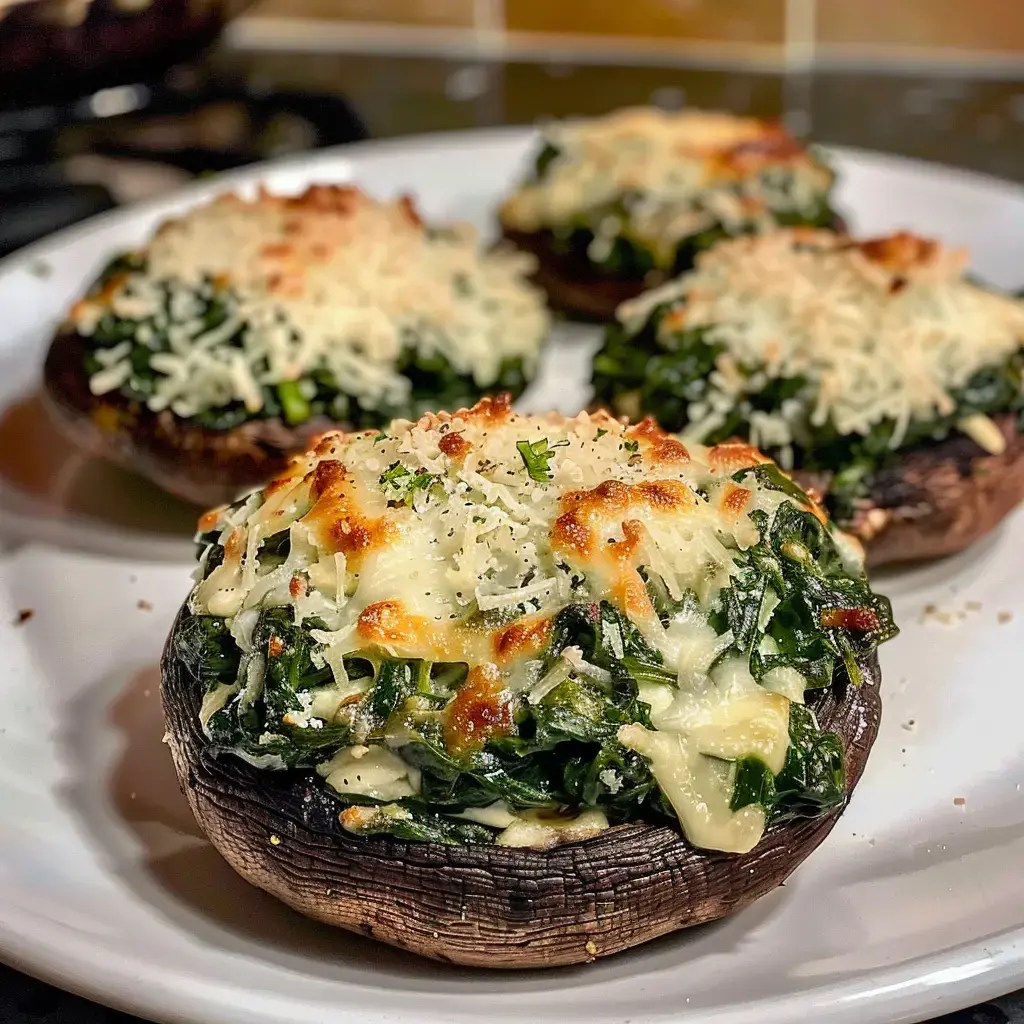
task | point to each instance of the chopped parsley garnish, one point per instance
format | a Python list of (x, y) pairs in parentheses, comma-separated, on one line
[(537, 457), (401, 485)]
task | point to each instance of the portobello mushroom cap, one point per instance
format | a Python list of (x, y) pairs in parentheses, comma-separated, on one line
[(497, 688), (176, 362), (936, 499), (203, 466), (672, 182), (485, 905)]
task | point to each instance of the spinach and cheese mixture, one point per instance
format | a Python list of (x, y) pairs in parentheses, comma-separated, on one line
[(832, 355), (489, 627), (329, 303), (642, 190)]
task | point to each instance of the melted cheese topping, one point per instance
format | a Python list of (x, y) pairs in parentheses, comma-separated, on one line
[(675, 174), (415, 571), (881, 330), (327, 280)]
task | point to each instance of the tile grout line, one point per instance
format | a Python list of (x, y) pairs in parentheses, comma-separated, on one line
[(799, 53)]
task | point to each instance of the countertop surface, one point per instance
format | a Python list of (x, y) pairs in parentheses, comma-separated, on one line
[(938, 115)]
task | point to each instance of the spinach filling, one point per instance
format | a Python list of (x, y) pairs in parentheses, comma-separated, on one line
[(435, 383), (629, 257), (791, 604), (662, 375)]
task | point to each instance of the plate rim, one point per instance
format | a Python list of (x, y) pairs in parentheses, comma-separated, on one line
[(958, 977)]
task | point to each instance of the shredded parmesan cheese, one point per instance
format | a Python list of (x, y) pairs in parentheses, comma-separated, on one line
[(658, 177), (881, 330), (328, 281)]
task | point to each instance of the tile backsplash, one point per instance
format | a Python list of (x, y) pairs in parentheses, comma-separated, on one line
[(764, 29)]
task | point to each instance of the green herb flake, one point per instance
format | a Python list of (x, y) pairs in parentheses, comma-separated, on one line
[(401, 485), (537, 457)]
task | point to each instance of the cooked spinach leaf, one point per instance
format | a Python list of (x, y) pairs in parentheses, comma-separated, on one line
[(663, 373), (791, 603), (434, 382)]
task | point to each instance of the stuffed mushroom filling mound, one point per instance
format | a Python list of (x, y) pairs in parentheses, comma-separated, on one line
[(489, 627), (326, 304), (834, 356), (640, 192)]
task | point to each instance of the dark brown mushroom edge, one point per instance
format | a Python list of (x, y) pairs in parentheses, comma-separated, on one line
[(522, 691), (619, 204), (885, 378), (246, 328)]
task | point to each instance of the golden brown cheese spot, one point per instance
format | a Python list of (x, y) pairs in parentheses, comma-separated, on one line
[(585, 512), (328, 478), (629, 590), (388, 624), (661, 447), (278, 250), (454, 445), (900, 252), (235, 546), (354, 537), (208, 520), (327, 444), (734, 501), (817, 511), (336, 517), (732, 456), (335, 199), (480, 710), (774, 146), (282, 482), (581, 532), (407, 205), (858, 620), (520, 640), (571, 533), (491, 409)]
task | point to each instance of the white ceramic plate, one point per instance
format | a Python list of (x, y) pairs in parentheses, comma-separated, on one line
[(913, 906)]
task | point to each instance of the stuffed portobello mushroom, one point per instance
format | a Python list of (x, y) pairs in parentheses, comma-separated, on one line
[(522, 690), (620, 203), (246, 328), (882, 376)]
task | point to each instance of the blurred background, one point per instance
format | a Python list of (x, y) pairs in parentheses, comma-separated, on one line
[(107, 101)]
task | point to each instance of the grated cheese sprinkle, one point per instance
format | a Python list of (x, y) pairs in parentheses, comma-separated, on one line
[(658, 177), (529, 546), (331, 279), (476, 572), (881, 330)]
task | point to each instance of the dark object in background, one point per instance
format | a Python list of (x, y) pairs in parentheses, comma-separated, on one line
[(101, 77), (53, 51)]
